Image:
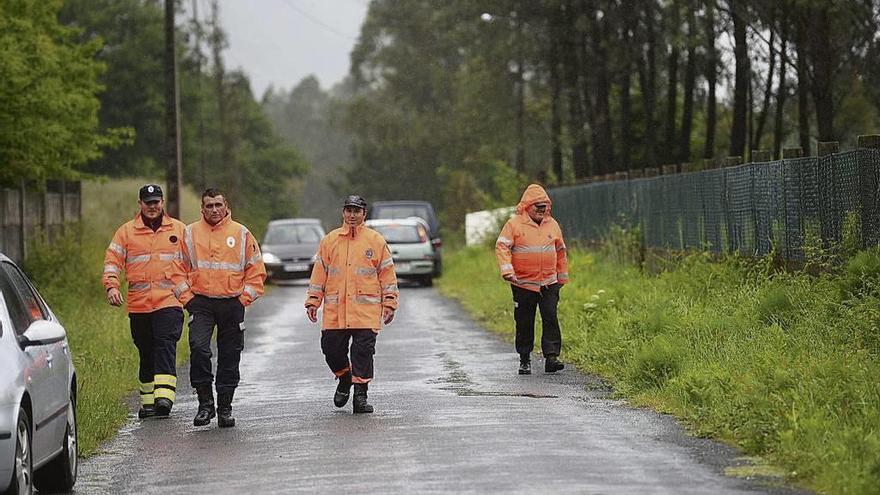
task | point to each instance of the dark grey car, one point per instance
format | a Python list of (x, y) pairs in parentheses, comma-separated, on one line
[(289, 247)]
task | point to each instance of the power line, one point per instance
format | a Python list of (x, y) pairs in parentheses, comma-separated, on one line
[(318, 21)]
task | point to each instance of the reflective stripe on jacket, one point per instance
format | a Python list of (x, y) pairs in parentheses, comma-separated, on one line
[(534, 253), (152, 262), (354, 278), (224, 261)]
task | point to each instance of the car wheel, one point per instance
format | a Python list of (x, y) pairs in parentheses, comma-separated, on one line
[(22, 473), (428, 280), (60, 474)]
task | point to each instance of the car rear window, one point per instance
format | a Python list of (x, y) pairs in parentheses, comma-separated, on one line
[(399, 234), (397, 212), (293, 234)]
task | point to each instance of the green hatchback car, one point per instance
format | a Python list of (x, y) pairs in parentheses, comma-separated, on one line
[(410, 247)]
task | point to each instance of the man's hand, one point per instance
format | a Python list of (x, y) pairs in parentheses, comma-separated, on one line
[(312, 313), (387, 315), (510, 277), (114, 297)]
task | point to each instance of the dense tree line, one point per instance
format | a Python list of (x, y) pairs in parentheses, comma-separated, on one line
[(459, 101), (83, 94)]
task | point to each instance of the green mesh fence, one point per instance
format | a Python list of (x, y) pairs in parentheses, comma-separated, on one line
[(788, 205)]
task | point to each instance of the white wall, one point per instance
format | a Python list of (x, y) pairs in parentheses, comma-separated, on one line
[(479, 224)]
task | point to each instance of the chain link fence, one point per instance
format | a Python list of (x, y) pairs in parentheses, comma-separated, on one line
[(787, 205)]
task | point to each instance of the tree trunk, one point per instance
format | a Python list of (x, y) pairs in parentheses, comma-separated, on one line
[(690, 76), (741, 82), (173, 179), (603, 145), (768, 94), (803, 89), (824, 59), (571, 70), (711, 78), (588, 91), (555, 97), (781, 90), (648, 83), (227, 160), (671, 83)]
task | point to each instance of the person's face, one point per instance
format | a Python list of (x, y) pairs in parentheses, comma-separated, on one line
[(152, 209), (214, 209), (353, 216), (537, 211)]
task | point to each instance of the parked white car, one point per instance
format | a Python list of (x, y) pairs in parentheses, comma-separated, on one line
[(38, 442), (410, 246)]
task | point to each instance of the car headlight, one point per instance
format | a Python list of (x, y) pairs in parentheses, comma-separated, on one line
[(271, 258)]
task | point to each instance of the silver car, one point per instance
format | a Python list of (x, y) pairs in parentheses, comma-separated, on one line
[(289, 247), (38, 442), (410, 247)]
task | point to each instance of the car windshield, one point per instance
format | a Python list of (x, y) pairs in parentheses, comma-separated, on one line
[(396, 212), (399, 234), (292, 234)]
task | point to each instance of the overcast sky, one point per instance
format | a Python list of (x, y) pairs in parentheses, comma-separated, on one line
[(279, 42)]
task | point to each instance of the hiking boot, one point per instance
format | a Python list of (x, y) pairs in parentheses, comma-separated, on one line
[(206, 410), (224, 410), (525, 368), (343, 389), (147, 411), (163, 407), (552, 364), (360, 399)]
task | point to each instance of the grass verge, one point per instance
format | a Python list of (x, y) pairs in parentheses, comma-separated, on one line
[(784, 365), (68, 275)]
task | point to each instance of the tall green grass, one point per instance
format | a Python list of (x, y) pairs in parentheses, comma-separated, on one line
[(784, 365), (67, 273)]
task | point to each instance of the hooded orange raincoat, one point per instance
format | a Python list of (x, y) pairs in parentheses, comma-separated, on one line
[(534, 253), (354, 278)]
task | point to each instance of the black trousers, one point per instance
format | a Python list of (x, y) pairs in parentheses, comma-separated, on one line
[(525, 302), (227, 314), (334, 345), (155, 335)]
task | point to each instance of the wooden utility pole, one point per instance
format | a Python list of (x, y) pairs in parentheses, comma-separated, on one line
[(172, 117)]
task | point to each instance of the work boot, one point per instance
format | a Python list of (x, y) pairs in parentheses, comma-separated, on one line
[(163, 407), (343, 389), (360, 399), (552, 364), (147, 411), (206, 406), (224, 410), (525, 365)]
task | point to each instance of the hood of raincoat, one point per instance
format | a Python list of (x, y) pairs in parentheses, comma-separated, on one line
[(534, 194)]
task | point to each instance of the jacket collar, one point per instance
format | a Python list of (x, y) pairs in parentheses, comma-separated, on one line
[(346, 230), (222, 223), (139, 221)]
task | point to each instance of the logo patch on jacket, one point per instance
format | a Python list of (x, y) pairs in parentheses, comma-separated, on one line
[(230, 241), (369, 253), (173, 239)]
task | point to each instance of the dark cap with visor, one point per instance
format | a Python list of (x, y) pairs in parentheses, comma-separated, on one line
[(355, 200), (150, 192)]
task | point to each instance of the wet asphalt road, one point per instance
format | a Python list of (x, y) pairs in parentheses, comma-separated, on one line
[(451, 416)]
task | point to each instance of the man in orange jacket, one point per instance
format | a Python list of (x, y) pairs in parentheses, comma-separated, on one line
[(354, 278), (532, 258), (226, 275), (148, 250)]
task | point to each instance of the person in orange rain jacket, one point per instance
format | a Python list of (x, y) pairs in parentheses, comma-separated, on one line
[(148, 250), (226, 275), (532, 258), (354, 278)]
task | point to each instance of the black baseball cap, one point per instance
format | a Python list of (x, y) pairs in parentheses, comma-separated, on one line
[(150, 192), (355, 200)]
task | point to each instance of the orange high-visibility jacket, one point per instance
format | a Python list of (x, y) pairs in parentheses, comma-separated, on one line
[(224, 261), (354, 277), (152, 261), (534, 253)]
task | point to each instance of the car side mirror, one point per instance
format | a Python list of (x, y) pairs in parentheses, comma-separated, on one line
[(42, 332)]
